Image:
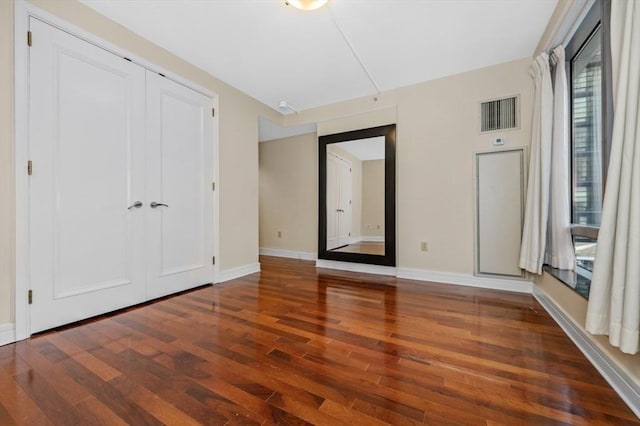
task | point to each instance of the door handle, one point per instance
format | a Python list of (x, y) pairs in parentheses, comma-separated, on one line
[(340, 211), (137, 205), (153, 205)]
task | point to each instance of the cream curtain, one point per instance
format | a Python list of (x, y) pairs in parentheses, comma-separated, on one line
[(534, 233), (614, 300), (560, 253)]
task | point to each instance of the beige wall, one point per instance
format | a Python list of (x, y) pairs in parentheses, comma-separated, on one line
[(575, 307), (238, 136), (289, 193), (354, 120), (373, 198), (437, 138), (6, 163)]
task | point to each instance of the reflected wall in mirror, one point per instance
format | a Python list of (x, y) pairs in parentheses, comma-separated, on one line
[(357, 196)]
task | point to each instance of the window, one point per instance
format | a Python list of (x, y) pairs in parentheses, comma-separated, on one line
[(589, 65)]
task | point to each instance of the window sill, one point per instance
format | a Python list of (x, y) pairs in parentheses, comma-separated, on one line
[(571, 279)]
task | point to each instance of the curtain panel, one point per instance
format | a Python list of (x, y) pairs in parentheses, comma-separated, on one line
[(614, 300), (560, 253), (534, 233)]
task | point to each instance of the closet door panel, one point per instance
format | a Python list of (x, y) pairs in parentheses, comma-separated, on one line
[(87, 139), (499, 212), (180, 154), (344, 203), (332, 201)]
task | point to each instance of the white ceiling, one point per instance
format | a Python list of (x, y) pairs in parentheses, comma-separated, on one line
[(274, 52)]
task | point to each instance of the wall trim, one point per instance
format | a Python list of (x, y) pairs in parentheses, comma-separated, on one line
[(356, 267), (292, 254), (519, 286), (612, 373), (21, 155), (238, 272), (7, 333)]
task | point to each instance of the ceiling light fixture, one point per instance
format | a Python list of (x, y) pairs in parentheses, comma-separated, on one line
[(306, 4)]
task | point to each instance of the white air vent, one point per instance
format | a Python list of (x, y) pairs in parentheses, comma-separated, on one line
[(499, 114)]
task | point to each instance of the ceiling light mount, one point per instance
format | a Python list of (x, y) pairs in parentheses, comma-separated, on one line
[(284, 106), (306, 4)]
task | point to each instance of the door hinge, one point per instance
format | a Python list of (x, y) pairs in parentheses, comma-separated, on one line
[(213, 259), (29, 38), (213, 112), (29, 167), (213, 186), (30, 296)]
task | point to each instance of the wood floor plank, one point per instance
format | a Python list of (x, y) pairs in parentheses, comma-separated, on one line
[(98, 413), (46, 371), (49, 399), (5, 417), (307, 411), (18, 404), (298, 345), (110, 395), (149, 401)]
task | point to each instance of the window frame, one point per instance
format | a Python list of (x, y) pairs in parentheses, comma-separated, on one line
[(598, 17)]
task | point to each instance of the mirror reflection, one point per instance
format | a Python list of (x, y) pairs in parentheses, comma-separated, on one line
[(355, 196)]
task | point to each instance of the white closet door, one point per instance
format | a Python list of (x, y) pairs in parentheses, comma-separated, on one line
[(344, 202), (332, 201), (87, 133), (180, 174)]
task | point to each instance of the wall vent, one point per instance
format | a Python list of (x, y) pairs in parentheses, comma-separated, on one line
[(499, 114)]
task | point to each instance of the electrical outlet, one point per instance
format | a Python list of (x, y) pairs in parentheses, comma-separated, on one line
[(279, 234), (423, 246)]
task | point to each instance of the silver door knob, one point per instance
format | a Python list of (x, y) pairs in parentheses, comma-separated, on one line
[(136, 205), (154, 205)]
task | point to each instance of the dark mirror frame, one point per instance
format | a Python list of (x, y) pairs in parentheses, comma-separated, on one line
[(389, 258)]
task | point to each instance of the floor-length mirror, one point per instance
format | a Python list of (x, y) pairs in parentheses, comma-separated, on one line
[(357, 196)]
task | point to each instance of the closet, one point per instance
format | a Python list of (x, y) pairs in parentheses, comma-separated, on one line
[(120, 185)]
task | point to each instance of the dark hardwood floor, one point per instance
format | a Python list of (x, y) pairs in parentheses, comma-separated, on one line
[(296, 345)]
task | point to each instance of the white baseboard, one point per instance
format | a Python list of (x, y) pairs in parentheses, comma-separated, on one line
[(303, 255), (628, 390), (356, 267), (240, 271), (519, 286), (7, 333)]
